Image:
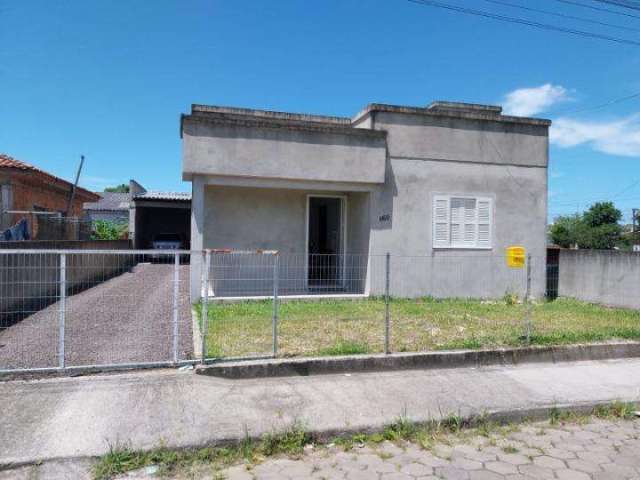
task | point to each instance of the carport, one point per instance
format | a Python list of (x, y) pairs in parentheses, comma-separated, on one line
[(154, 213)]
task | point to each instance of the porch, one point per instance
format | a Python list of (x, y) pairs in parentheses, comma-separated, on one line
[(321, 239)]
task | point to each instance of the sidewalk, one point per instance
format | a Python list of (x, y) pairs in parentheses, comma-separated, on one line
[(78, 417)]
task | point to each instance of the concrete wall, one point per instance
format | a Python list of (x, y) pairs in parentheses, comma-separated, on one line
[(429, 156), (600, 276), (234, 150), (68, 245), (463, 140)]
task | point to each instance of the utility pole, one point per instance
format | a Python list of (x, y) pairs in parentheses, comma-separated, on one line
[(73, 188)]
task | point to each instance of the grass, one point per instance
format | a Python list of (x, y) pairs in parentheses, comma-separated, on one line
[(341, 327), (612, 411), (122, 459), (345, 348), (292, 442)]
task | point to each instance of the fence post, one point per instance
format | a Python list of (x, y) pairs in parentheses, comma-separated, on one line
[(176, 282), (205, 303), (62, 309), (527, 300), (387, 323), (274, 321)]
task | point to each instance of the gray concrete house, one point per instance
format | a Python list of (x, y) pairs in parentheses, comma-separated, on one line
[(444, 188)]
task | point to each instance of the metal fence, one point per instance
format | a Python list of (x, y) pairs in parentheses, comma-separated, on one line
[(265, 303), (43, 226), (79, 309)]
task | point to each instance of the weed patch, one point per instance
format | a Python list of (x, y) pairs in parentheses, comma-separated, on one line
[(291, 443)]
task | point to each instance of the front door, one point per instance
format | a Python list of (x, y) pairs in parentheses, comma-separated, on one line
[(325, 239)]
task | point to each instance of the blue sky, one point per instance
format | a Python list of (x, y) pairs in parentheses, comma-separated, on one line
[(110, 79)]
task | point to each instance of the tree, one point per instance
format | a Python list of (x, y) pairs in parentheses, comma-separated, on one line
[(122, 188), (602, 213), (106, 230), (565, 230), (597, 228)]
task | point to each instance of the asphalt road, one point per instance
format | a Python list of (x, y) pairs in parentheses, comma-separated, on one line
[(127, 319)]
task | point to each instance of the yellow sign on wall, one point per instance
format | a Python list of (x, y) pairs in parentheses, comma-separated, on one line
[(516, 257)]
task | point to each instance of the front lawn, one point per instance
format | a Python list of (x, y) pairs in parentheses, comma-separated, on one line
[(337, 327)]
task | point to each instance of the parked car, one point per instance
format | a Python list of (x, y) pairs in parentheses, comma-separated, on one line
[(167, 241)]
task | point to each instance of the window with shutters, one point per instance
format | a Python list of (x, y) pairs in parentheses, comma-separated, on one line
[(462, 222)]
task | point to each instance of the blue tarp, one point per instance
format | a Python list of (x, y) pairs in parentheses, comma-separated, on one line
[(20, 231)]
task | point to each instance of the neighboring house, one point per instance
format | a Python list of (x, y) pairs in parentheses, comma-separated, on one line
[(112, 207), (452, 184), (30, 193)]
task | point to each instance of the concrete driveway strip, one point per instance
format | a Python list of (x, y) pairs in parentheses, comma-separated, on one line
[(125, 319), (77, 417)]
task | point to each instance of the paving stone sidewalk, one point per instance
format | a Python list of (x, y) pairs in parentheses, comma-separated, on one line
[(598, 450)]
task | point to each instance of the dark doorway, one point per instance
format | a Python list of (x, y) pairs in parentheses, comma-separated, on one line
[(326, 239), (155, 220)]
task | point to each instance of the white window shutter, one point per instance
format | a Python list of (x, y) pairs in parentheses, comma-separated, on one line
[(469, 239), (484, 222), (462, 222), (441, 236), (457, 221)]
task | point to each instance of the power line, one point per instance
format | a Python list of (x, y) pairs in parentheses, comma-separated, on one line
[(522, 21), (602, 196), (621, 3), (599, 9), (596, 107), (599, 198), (626, 188), (562, 15)]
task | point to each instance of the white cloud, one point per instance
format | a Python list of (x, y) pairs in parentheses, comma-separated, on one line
[(617, 137), (531, 101)]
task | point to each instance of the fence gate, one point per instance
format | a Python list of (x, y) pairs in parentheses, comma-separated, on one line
[(83, 309)]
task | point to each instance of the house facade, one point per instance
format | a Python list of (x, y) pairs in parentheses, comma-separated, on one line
[(445, 189), (27, 192)]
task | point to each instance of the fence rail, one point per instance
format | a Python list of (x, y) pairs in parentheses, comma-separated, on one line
[(62, 310)]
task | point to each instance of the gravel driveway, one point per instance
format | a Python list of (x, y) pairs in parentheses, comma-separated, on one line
[(123, 320)]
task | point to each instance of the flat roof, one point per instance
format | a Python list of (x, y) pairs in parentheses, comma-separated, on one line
[(471, 111), (250, 117)]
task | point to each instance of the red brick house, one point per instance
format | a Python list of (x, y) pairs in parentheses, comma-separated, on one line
[(24, 187)]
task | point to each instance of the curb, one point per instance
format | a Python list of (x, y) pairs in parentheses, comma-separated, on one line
[(424, 360), (501, 417)]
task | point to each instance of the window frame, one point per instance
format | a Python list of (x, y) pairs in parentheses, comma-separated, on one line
[(449, 197)]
